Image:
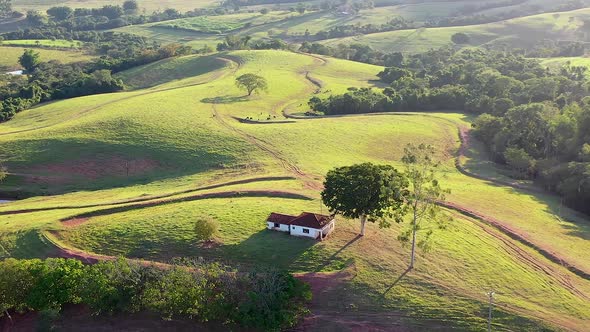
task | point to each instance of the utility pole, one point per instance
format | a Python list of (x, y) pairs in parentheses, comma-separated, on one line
[(491, 296)]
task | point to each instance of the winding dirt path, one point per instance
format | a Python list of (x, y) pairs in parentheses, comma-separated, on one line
[(149, 198)]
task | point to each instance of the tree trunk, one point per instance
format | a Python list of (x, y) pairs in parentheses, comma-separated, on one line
[(363, 223), (413, 255), (250, 92)]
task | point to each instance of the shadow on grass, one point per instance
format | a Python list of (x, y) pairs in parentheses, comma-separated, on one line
[(335, 255), (268, 248), (225, 99), (397, 281)]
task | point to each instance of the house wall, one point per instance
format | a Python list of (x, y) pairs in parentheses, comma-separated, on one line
[(329, 227), (281, 228), (298, 231)]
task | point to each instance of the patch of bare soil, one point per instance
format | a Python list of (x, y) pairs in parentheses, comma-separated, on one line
[(74, 222)]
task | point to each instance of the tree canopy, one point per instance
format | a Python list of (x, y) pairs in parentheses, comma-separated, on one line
[(29, 60), (252, 83), (364, 191)]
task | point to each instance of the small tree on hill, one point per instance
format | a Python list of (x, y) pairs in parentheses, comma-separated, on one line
[(460, 38), (130, 6), (29, 60), (251, 83), (423, 195), (205, 229), (366, 191)]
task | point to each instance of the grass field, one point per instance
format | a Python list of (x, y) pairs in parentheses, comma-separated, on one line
[(10, 55), (167, 142), (519, 32), (43, 42)]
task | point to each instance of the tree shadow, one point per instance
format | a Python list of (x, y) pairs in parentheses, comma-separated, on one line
[(397, 281), (227, 99), (335, 255)]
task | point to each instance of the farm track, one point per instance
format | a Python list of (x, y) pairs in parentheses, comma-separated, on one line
[(66, 252), (149, 198), (285, 162), (222, 73)]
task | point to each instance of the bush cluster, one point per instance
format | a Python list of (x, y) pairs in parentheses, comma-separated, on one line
[(266, 299)]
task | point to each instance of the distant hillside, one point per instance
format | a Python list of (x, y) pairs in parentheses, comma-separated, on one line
[(524, 32)]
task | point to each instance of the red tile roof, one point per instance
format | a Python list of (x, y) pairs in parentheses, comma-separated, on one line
[(305, 219), (311, 220), (280, 218)]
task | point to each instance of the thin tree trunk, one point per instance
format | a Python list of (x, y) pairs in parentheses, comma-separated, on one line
[(413, 255), (363, 222)]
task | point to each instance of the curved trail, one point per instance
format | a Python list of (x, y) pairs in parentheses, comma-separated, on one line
[(65, 252), (222, 73), (149, 198), (285, 162)]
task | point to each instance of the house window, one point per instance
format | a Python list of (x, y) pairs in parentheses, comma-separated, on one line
[(306, 231), (277, 225)]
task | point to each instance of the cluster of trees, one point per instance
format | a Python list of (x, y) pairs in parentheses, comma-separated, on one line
[(355, 52), (396, 23), (474, 81), (245, 42), (265, 299), (356, 101), (542, 142), (51, 80), (107, 17), (479, 81)]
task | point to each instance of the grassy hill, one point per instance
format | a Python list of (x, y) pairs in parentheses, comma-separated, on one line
[(10, 55), (519, 32), (130, 172)]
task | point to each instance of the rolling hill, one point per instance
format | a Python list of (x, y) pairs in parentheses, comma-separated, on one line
[(522, 32), (128, 173)]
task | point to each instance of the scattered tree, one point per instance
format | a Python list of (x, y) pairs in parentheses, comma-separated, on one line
[(423, 195), (251, 83), (366, 191), (130, 6), (205, 229), (60, 13), (29, 60), (460, 38)]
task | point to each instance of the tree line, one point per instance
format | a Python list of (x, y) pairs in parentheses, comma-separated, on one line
[(263, 299)]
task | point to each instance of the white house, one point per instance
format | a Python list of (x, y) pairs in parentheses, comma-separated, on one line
[(316, 226)]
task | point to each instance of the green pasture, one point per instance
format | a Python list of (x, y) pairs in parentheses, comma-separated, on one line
[(9, 56), (58, 43), (518, 32), (174, 136)]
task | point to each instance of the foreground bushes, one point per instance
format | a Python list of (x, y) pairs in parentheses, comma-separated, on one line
[(263, 299)]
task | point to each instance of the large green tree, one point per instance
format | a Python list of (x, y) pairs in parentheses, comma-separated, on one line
[(423, 195), (366, 191), (29, 60), (251, 83)]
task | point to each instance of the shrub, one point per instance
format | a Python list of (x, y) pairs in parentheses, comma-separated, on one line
[(205, 229)]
